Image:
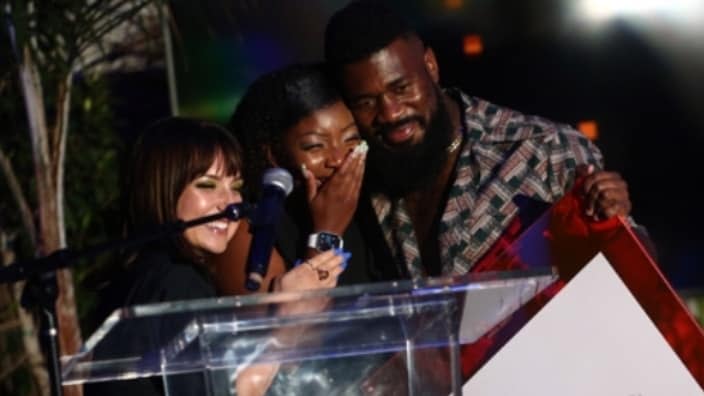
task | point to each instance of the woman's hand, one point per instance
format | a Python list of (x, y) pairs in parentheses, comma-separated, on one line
[(230, 267), (318, 272), (332, 205)]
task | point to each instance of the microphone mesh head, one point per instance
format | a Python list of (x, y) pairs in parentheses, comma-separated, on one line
[(278, 177)]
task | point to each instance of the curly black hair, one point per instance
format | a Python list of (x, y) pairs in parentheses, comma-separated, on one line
[(273, 103), (362, 28)]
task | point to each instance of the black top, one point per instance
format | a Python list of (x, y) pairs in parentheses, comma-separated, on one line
[(155, 276), (158, 276), (371, 259)]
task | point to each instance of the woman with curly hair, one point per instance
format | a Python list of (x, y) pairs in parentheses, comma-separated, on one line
[(295, 118)]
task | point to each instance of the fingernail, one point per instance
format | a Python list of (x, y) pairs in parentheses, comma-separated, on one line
[(345, 259), (304, 170), (361, 148), (590, 169), (345, 256)]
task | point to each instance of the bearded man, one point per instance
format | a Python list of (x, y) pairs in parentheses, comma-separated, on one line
[(446, 170)]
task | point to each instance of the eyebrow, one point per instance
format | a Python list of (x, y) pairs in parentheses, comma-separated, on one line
[(351, 125), (313, 132), (396, 81), (399, 80)]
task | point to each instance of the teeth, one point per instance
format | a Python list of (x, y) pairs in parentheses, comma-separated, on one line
[(219, 225)]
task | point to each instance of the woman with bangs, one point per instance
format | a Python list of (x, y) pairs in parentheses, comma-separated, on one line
[(183, 169), (179, 169)]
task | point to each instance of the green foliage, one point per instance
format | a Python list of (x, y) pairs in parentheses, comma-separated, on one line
[(92, 192), (92, 198), (92, 184), (17, 381), (14, 140), (92, 157), (20, 381), (60, 31), (64, 37)]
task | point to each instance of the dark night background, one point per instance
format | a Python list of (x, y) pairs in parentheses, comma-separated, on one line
[(637, 74)]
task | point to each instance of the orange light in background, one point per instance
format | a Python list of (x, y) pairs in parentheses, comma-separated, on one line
[(589, 128), (453, 4), (472, 44)]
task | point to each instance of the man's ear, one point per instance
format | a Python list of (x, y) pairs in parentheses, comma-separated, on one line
[(431, 64)]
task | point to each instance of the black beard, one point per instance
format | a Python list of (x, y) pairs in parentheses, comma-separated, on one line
[(396, 173)]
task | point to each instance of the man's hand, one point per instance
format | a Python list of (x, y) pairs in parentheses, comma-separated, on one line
[(606, 193)]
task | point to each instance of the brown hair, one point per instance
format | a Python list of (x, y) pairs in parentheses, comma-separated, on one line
[(167, 156)]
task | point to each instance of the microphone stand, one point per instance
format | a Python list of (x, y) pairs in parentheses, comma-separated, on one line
[(41, 289)]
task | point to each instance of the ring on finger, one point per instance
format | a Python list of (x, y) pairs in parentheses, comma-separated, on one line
[(323, 274)]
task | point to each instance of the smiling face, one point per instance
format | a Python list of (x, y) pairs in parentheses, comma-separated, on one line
[(393, 92), (209, 194), (322, 140)]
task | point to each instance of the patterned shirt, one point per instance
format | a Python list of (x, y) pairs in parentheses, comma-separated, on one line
[(505, 155)]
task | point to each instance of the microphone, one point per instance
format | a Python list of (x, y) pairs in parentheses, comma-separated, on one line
[(277, 183), (62, 258), (237, 211), (233, 212)]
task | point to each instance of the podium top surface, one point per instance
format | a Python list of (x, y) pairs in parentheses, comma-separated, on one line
[(209, 334)]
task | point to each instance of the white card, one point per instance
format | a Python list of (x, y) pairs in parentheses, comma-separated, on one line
[(592, 338)]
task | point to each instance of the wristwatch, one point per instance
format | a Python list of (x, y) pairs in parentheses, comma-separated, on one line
[(322, 241)]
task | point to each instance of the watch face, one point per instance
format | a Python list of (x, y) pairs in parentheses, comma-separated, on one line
[(328, 241)]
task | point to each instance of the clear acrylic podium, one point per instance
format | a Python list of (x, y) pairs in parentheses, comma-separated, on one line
[(432, 337), (385, 338)]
